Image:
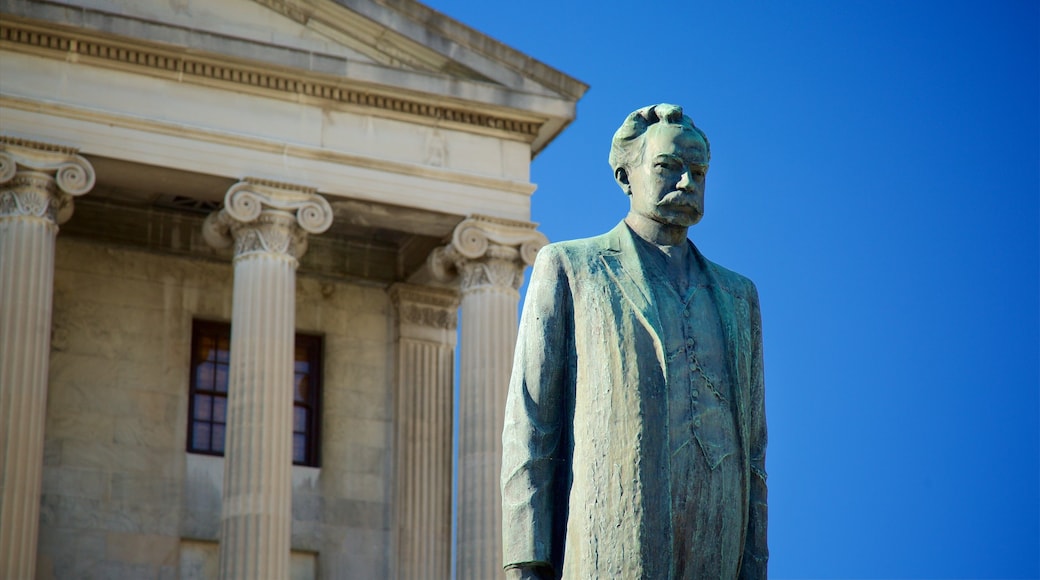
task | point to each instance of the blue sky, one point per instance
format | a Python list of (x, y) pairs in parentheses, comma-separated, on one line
[(875, 171)]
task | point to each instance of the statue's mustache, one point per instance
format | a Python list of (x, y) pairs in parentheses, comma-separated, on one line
[(680, 197)]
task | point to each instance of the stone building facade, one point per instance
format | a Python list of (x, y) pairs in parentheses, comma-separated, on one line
[(235, 239)]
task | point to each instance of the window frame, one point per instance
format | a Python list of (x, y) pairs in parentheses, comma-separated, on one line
[(204, 329), (313, 345)]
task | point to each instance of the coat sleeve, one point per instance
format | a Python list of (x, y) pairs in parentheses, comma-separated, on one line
[(756, 550), (533, 447)]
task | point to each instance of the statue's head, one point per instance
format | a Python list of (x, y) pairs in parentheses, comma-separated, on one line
[(660, 159)]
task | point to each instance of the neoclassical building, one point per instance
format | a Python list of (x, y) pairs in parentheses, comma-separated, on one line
[(235, 239)]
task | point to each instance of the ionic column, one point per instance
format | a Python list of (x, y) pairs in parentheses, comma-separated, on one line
[(425, 378), (37, 183), (488, 255), (268, 223)]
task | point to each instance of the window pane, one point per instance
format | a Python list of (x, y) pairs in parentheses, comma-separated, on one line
[(205, 348), (299, 448), (200, 436), (223, 349), (221, 379), (203, 406), (218, 438), (299, 419), (204, 376), (302, 389), (220, 409)]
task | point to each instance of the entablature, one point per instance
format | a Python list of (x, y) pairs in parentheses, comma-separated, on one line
[(418, 98)]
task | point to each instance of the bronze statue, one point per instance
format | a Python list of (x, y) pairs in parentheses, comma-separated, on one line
[(635, 434)]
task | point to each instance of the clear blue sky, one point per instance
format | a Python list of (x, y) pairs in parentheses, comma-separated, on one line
[(875, 171)]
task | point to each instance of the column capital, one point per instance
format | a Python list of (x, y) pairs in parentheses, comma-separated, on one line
[(487, 253), (262, 216), (426, 312), (426, 305), (39, 180)]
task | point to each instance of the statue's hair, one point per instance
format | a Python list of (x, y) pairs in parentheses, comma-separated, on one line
[(626, 149)]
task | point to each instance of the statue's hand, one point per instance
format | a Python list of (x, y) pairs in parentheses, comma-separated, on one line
[(529, 573)]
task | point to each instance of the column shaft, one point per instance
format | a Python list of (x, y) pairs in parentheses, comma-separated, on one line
[(424, 497), (257, 514), (26, 288), (37, 181), (488, 255), (425, 376), (489, 323)]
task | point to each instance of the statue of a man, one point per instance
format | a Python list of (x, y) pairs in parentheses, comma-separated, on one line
[(635, 432)]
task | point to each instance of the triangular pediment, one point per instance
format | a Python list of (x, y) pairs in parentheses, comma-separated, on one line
[(401, 35), (321, 28), (378, 44), (397, 49), (405, 34)]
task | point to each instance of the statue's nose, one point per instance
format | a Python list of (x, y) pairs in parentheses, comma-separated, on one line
[(686, 181)]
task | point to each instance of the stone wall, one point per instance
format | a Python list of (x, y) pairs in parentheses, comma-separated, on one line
[(122, 497)]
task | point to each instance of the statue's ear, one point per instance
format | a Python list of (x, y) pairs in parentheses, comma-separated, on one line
[(621, 177)]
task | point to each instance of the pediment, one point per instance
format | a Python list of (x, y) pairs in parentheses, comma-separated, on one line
[(405, 34), (378, 49), (402, 36), (374, 43), (321, 28)]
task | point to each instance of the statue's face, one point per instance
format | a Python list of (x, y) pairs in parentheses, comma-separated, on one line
[(668, 187)]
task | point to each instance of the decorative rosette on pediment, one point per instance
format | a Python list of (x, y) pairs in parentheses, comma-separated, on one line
[(39, 180), (261, 216), (487, 253)]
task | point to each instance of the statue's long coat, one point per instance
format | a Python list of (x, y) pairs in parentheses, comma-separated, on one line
[(584, 470)]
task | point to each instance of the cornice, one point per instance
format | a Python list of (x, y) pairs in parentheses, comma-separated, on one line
[(192, 66)]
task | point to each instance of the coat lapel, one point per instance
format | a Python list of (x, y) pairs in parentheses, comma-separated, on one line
[(627, 272)]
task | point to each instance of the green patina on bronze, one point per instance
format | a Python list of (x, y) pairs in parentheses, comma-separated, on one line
[(635, 436)]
